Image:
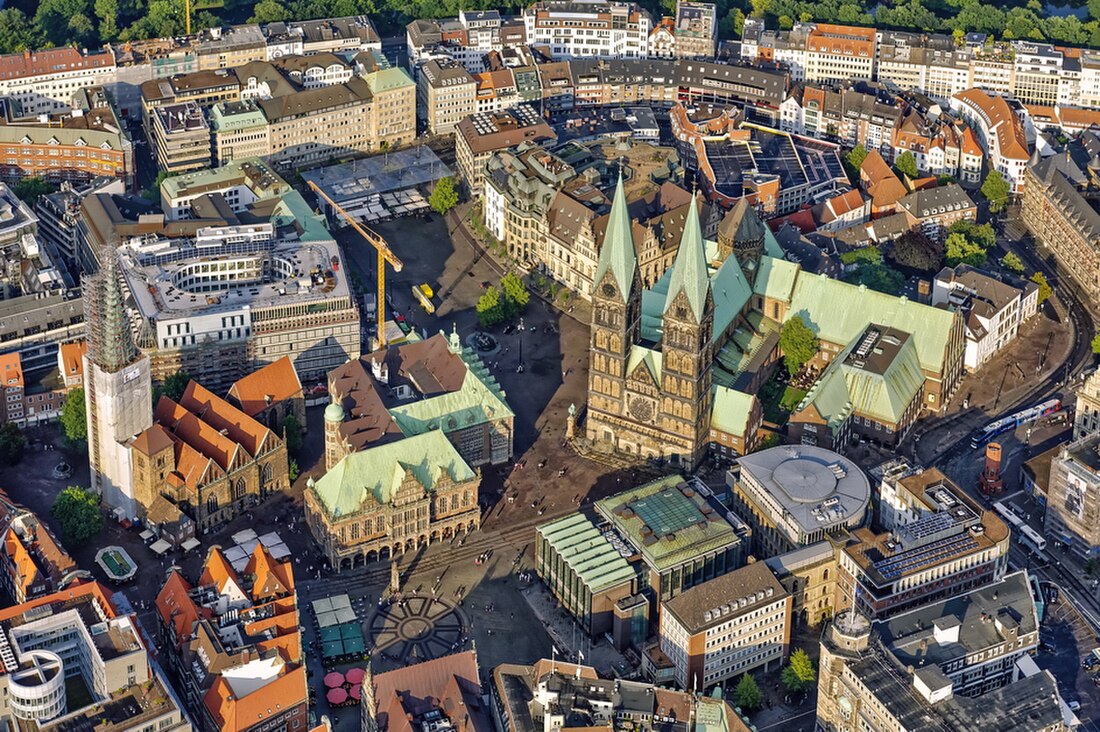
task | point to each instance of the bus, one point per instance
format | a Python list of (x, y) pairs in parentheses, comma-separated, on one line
[(1012, 421), (1031, 538)]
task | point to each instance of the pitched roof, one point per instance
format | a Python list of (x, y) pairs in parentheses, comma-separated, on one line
[(223, 416), (689, 271), (217, 571), (373, 476), (450, 683), (617, 254), (879, 180), (270, 700), (695, 607), (11, 369), (176, 608), (271, 578), (273, 383), (72, 357), (152, 441)]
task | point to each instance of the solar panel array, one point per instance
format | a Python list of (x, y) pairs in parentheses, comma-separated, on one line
[(899, 564)]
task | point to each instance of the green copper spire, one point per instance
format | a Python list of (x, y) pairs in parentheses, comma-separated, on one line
[(617, 253), (689, 271), (110, 343)]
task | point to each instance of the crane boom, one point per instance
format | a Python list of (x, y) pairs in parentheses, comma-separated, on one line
[(385, 254)]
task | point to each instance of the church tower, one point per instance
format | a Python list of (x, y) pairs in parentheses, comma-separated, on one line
[(616, 310), (688, 326), (741, 234), (118, 389)]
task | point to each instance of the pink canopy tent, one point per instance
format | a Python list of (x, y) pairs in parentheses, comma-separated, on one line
[(355, 676), (356, 693), (334, 679), (336, 696)]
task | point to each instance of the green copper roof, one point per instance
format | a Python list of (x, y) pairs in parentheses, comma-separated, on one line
[(846, 388), (385, 80), (689, 271), (586, 551), (775, 278), (373, 476), (676, 520), (617, 253), (731, 411), (292, 208), (479, 400), (838, 312)]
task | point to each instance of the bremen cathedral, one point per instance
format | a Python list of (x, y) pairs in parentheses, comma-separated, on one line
[(652, 383), (674, 369)]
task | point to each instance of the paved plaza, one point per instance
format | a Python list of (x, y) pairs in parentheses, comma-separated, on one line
[(415, 628)]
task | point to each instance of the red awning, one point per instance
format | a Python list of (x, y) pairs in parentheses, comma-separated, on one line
[(334, 679), (355, 676), (336, 696)]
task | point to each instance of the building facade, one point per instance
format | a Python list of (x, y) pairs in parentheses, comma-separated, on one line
[(1073, 497)]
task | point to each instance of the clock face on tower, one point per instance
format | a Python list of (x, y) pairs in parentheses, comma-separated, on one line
[(608, 289)]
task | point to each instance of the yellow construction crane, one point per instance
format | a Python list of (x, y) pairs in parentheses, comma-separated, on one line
[(385, 254)]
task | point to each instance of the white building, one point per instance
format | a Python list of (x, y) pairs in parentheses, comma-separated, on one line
[(40, 82), (999, 131), (730, 625), (118, 394), (589, 29), (993, 310)]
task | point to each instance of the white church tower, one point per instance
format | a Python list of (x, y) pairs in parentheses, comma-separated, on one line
[(118, 389)]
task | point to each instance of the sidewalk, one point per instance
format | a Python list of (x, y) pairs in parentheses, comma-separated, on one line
[(569, 637)]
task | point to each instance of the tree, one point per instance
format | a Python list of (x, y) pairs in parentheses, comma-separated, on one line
[(12, 443), (981, 234), (78, 512), (916, 251), (292, 433), (799, 674), (29, 190), (906, 164), (995, 189), (490, 308), (268, 11), (1045, 290), (444, 196), (879, 277), (62, 22), (74, 421), (961, 250), (855, 158), (863, 255), (173, 386), (514, 294), (107, 13), (747, 694), (152, 193), (798, 343), (1096, 343), (17, 33), (1012, 262)]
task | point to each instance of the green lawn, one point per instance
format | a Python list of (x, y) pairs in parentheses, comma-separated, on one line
[(779, 400)]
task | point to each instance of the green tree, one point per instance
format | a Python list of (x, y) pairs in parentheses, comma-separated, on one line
[(1096, 343), (863, 255), (17, 32), (906, 164), (74, 421), (490, 308), (78, 512), (798, 343), (995, 189), (152, 193), (1013, 263), (981, 234), (916, 251), (269, 11), (799, 674), (62, 22), (855, 158), (1045, 290), (747, 694), (293, 470), (444, 196), (961, 250), (12, 444), (879, 277), (760, 8), (514, 293), (173, 386), (31, 189), (106, 11), (292, 433)]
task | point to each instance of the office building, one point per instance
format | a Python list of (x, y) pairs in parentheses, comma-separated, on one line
[(75, 659), (478, 136), (939, 542), (42, 82), (1073, 497), (182, 138), (999, 130), (241, 183), (599, 29), (1059, 209), (1086, 413), (76, 145), (809, 575), (797, 495), (446, 94), (958, 665), (734, 624)]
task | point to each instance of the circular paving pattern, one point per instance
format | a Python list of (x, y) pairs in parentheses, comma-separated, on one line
[(417, 628)]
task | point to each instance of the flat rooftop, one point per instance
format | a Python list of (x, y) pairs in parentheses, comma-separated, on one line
[(357, 181), (668, 521), (816, 488)]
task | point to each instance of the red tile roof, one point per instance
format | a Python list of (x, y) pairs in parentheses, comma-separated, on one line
[(215, 411), (176, 608), (217, 571), (72, 358), (449, 683), (273, 383), (271, 578), (233, 714), (11, 370), (51, 61)]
